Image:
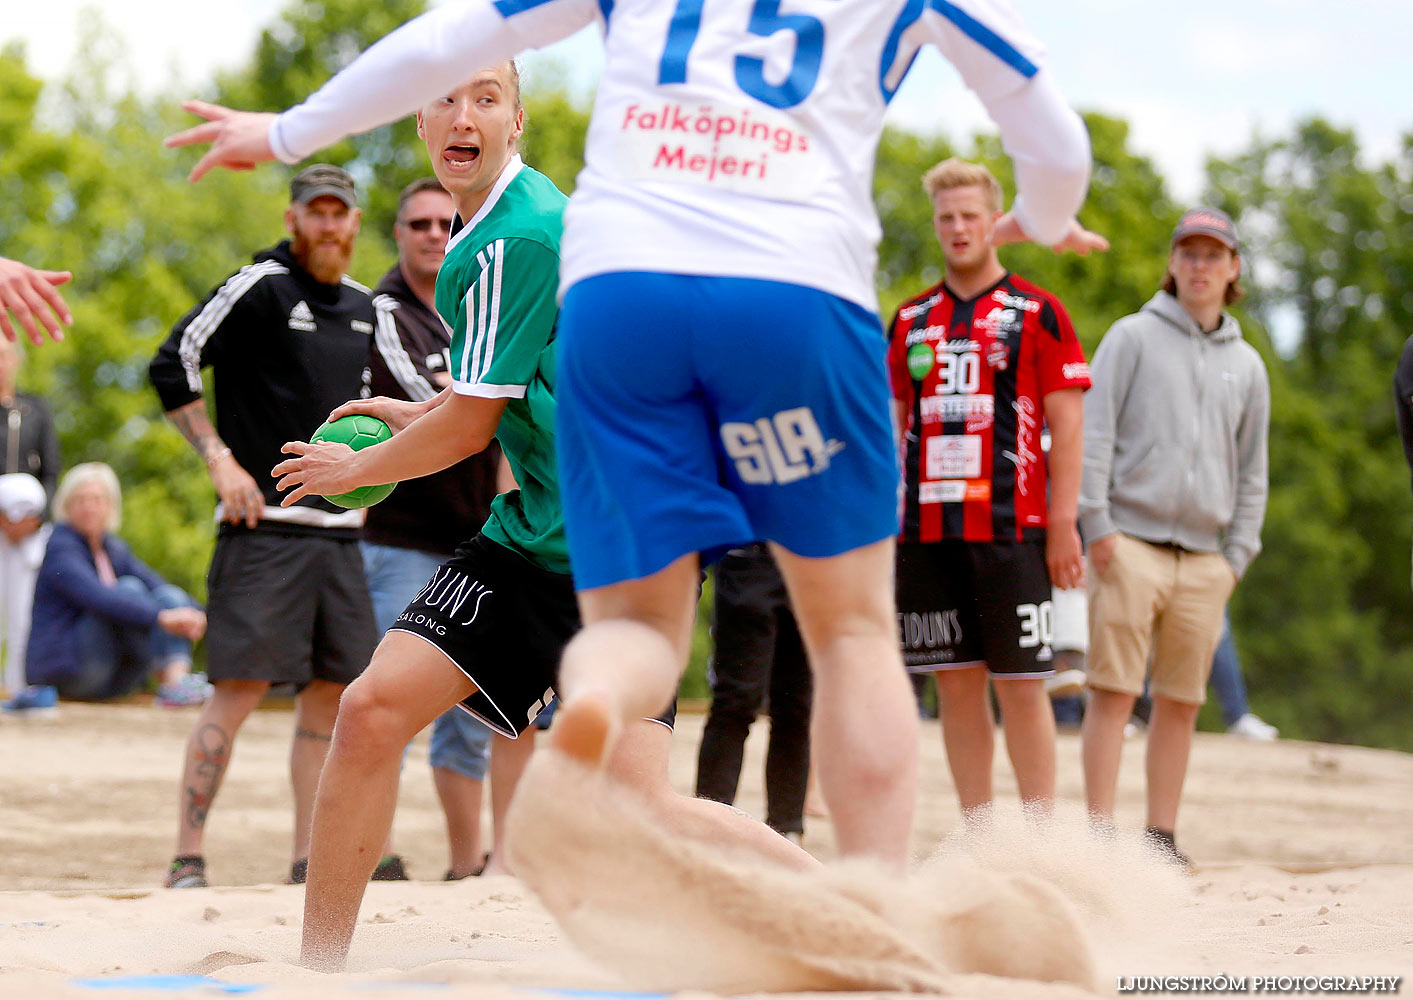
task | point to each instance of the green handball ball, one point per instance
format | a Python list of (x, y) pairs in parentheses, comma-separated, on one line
[(358, 431)]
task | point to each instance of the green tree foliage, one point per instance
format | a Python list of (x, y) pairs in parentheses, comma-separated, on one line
[(1324, 612), (104, 200), (307, 43)]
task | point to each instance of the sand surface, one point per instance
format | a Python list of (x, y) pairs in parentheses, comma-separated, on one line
[(1304, 855)]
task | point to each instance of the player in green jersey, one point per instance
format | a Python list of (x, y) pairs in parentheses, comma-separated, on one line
[(488, 629)]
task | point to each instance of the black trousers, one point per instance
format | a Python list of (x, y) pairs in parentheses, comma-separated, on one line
[(758, 654)]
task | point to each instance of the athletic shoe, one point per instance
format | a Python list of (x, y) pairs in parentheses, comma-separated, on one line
[(38, 701), (1253, 727), (298, 872), (193, 689), (188, 871), (1135, 728), (390, 869), (1065, 684)]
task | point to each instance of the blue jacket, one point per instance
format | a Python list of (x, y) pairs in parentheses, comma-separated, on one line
[(68, 588)]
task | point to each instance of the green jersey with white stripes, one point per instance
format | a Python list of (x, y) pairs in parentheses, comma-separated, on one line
[(497, 290)]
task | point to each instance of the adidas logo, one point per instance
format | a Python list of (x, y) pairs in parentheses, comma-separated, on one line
[(300, 318)]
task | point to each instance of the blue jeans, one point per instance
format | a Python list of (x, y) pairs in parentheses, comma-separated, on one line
[(1226, 677), (460, 742), (114, 658)]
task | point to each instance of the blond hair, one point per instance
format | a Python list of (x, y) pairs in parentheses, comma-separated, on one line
[(956, 173), (82, 475)]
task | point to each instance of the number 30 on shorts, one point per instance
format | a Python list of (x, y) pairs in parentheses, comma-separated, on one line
[(1037, 624)]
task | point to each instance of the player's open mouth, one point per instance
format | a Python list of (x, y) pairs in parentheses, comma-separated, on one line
[(461, 156)]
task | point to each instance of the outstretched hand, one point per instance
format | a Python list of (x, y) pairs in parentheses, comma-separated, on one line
[(239, 139), (1080, 240), (1077, 239), (322, 469), (28, 295)]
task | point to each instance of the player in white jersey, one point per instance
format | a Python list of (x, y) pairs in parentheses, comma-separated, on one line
[(721, 368)]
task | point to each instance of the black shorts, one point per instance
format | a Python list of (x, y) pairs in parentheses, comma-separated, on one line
[(504, 622), (968, 604), (287, 609)]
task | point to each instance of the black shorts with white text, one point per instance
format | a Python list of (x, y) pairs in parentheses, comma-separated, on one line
[(968, 604)]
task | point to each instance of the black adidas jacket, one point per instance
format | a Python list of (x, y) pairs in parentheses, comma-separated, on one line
[(286, 349)]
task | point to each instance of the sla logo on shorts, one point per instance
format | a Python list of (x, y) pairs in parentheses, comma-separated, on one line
[(920, 360), (779, 449)]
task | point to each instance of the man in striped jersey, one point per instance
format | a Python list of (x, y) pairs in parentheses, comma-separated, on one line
[(287, 600)]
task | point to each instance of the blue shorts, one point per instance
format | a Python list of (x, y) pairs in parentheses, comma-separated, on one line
[(697, 414)]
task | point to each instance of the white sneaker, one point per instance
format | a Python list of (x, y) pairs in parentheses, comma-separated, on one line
[(1065, 684), (1253, 727)]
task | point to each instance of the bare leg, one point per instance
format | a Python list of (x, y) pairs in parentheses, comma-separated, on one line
[(624, 665), (622, 669), (968, 733), (460, 797), (1169, 745), (865, 716), (1029, 724), (1102, 746), (208, 754), (408, 684), (508, 760), (814, 801), (639, 760), (315, 709)]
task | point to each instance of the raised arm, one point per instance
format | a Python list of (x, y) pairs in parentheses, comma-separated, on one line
[(426, 57), (1003, 64)]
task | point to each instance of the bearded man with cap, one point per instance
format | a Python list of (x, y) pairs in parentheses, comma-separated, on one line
[(1170, 507), (287, 599)]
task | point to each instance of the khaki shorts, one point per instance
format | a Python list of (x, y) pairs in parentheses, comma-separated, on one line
[(1156, 599)]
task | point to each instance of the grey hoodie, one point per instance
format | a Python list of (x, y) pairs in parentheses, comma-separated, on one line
[(1175, 435)]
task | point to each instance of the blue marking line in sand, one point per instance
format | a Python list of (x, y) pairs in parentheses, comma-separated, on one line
[(170, 983)]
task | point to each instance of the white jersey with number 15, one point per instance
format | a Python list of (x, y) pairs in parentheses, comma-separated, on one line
[(730, 137)]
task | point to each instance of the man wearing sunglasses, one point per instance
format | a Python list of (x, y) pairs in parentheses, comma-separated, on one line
[(419, 526)]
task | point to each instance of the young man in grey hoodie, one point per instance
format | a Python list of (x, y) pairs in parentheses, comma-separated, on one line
[(1171, 504)]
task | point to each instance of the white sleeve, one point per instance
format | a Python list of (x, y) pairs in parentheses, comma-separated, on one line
[(1049, 147), (987, 42), (1002, 63), (427, 57)]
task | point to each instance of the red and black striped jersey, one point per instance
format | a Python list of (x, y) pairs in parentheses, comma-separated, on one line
[(972, 375)]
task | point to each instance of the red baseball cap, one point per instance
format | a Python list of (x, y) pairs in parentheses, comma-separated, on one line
[(1206, 221)]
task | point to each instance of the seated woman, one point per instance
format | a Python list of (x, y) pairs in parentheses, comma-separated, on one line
[(103, 619)]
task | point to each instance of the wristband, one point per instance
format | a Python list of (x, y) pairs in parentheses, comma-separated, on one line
[(211, 462)]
